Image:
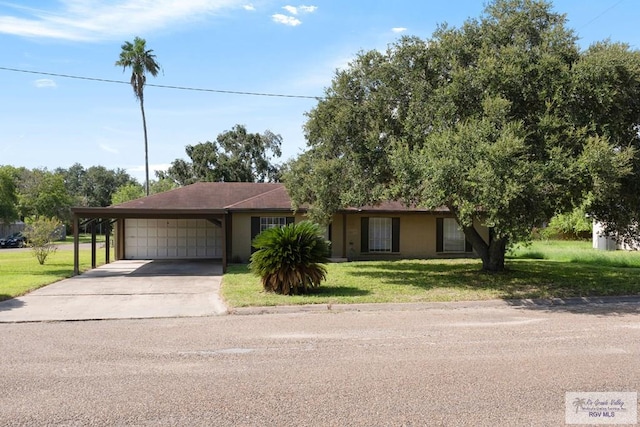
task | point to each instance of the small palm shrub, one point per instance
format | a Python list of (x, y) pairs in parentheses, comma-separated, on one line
[(289, 260)]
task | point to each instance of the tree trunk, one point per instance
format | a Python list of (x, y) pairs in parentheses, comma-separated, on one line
[(146, 149), (494, 263), (492, 254)]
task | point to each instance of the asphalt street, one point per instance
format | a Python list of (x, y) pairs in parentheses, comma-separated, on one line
[(475, 365)]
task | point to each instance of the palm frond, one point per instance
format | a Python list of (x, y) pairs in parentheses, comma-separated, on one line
[(289, 260)]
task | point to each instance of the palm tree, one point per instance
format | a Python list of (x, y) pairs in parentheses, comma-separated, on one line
[(290, 259), (141, 61)]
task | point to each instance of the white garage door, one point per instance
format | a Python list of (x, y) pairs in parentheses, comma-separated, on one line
[(171, 238)]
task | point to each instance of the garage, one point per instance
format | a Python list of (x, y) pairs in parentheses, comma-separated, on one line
[(191, 222), (172, 239)]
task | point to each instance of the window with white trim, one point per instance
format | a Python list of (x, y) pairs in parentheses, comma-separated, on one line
[(453, 239), (380, 232), (267, 222)]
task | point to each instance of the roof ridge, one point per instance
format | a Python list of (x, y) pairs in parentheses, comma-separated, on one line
[(279, 187), (155, 195)]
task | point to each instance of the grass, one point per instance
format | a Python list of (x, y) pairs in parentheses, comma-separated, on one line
[(83, 238), (551, 269), (578, 252), (20, 272), (544, 269)]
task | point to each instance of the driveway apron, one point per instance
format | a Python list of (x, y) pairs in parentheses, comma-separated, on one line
[(125, 290)]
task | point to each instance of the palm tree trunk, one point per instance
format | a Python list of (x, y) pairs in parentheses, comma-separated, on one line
[(146, 147)]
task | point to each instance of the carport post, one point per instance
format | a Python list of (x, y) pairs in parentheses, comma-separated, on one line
[(107, 243), (224, 243), (76, 245), (93, 244)]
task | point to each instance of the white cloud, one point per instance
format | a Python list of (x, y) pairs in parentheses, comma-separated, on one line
[(294, 10), (308, 9), (286, 20), (249, 7), (109, 149), (399, 29), (45, 83), (89, 20), (291, 20), (291, 9)]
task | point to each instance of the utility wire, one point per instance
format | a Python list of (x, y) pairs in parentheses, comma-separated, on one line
[(195, 89), (600, 14)]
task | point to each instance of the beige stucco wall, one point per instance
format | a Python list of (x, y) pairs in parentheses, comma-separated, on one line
[(241, 233), (417, 235)]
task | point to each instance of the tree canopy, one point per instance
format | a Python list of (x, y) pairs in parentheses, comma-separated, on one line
[(235, 156), (8, 196), (43, 194), (33, 193), (126, 193), (501, 120)]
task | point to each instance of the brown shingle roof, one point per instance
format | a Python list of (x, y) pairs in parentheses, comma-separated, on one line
[(204, 195), (276, 198), (237, 196)]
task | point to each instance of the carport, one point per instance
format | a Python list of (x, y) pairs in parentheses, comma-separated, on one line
[(205, 220), (154, 233)]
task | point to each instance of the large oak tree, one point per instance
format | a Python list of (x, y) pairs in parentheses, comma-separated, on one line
[(501, 120)]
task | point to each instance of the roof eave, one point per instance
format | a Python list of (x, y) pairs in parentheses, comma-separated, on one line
[(111, 212)]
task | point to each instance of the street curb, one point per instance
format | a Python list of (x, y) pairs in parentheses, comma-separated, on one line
[(456, 305)]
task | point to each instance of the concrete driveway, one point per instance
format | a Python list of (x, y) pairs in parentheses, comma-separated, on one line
[(125, 290)]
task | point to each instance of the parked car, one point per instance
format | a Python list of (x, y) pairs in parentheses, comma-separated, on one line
[(15, 240)]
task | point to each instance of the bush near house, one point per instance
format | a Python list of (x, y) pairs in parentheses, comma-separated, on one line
[(289, 259), (568, 226)]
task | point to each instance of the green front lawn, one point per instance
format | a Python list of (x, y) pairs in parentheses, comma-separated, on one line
[(543, 270), (84, 238), (20, 272)]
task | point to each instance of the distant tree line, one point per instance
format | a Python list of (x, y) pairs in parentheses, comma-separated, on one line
[(39, 192), (236, 155)]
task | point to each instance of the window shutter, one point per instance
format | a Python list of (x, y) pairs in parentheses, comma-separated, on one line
[(290, 220), (364, 234), (439, 234), (395, 235), (255, 229)]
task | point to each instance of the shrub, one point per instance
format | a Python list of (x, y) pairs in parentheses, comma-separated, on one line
[(40, 234), (289, 259), (573, 225)]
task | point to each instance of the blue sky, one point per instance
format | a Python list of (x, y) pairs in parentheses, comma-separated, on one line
[(264, 46)]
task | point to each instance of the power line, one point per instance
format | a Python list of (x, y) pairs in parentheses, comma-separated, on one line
[(194, 89), (600, 14)]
